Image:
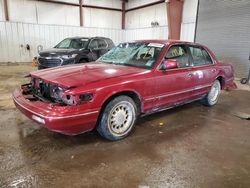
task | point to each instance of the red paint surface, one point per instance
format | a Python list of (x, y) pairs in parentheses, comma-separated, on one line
[(157, 89)]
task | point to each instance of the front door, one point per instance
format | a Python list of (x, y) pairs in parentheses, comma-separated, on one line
[(175, 86)]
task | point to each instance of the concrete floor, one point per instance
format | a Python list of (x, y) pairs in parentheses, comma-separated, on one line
[(190, 146)]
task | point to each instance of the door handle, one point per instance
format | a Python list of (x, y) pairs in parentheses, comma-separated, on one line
[(190, 74), (213, 70)]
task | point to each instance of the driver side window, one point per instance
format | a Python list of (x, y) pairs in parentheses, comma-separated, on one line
[(178, 53)]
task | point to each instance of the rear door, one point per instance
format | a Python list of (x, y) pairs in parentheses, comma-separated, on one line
[(203, 68), (94, 51), (102, 47)]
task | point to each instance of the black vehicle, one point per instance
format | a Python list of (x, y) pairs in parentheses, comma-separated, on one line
[(74, 50)]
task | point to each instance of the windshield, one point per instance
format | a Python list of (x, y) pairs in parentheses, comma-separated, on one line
[(73, 43), (137, 54)]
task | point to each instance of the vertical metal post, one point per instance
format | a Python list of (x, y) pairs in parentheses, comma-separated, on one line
[(81, 12), (6, 12), (248, 79), (174, 14), (196, 21), (123, 14)]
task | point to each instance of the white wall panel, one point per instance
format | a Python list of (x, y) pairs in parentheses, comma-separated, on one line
[(147, 33), (102, 18), (68, 1), (143, 17), (61, 14), (189, 20), (2, 18), (189, 11), (105, 3), (22, 11), (188, 31), (15, 36), (136, 3), (28, 11)]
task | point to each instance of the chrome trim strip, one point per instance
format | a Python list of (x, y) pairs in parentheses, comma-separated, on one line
[(170, 107), (177, 93), (49, 117)]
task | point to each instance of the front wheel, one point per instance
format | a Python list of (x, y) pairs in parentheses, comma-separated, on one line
[(118, 118), (212, 97)]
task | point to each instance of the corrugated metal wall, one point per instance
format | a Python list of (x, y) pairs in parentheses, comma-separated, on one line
[(146, 33), (224, 27), (188, 31), (29, 25), (15, 36)]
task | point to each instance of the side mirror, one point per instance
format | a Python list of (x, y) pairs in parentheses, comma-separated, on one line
[(169, 64)]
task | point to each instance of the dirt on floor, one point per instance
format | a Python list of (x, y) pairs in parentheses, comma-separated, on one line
[(189, 146)]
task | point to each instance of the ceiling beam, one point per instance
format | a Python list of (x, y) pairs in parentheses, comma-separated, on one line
[(77, 4), (146, 5), (59, 2)]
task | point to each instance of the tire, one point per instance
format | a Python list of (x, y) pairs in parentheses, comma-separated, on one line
[(212, 97), (118, 118), (243, 81)]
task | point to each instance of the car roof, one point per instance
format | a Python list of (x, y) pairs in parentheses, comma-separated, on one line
[(167, 42), (79, 37)]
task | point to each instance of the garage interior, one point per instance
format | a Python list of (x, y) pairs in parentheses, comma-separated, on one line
[(188, 146)]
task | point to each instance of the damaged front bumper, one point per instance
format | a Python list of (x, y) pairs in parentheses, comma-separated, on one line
[(69, 120)]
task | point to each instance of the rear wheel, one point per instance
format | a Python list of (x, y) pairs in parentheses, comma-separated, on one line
[(118, 118), (212, 97), (243, 81)]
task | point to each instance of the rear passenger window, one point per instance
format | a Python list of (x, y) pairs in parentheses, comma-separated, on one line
[(207, 57), (200, 56), (110, 43), (180, 54), (102, 44)]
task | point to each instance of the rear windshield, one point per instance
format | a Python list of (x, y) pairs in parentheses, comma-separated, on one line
[(78, 43)]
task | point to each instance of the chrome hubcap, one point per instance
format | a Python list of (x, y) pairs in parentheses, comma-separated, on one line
[(214, 92), (121, 118)]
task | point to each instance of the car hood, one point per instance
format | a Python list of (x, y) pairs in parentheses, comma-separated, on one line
[(56, 52), (83, 74)]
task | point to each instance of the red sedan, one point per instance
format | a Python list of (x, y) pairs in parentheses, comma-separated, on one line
[(132, 79)]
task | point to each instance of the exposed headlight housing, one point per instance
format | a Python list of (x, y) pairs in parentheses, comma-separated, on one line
[(69, 56), (77, 99), (58, 94)]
